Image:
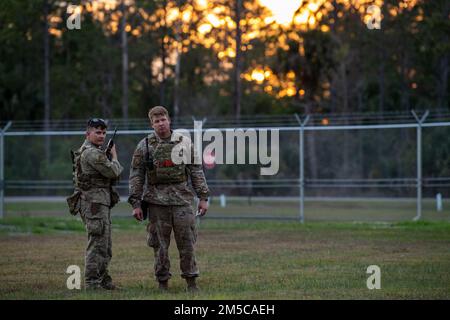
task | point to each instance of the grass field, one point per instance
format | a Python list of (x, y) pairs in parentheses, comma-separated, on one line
[(367, 209), (237, 260)]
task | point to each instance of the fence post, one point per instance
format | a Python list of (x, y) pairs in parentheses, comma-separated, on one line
[(419, 162), (302, 165), (2, 169)]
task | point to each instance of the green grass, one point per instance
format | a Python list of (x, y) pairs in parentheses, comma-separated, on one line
[(237, 260), (51, 225), (344, 210)]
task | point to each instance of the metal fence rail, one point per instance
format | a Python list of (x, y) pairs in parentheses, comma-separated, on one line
[(284, 123)]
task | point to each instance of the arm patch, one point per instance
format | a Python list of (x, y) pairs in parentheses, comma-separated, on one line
[(137, 160), (101, 158)]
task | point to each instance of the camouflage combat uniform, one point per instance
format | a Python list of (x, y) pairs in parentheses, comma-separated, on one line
[(155, 179), (94, 179)]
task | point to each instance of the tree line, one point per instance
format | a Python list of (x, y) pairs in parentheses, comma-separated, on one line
[(220, 57)]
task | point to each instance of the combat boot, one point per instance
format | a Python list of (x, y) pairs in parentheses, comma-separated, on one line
[(191, 285), (163, 285), (108, 284), (92, 287)]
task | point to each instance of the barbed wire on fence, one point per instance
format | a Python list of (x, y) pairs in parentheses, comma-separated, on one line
[(289, 120), (284, 123)]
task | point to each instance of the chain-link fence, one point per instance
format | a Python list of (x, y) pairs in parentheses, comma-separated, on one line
[(359, 167)]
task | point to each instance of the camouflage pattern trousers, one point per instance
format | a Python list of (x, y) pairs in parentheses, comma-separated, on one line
[(97, 220), (182, 220)]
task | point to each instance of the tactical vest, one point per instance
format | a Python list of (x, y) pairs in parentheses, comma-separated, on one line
[(162, 170), (86, 181)]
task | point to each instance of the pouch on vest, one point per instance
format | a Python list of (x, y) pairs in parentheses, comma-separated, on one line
[(115, 198), (74, 203), (165, 170)]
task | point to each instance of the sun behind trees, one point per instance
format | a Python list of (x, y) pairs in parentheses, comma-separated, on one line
[(302, 56)]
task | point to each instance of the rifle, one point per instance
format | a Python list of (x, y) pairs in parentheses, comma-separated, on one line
[(144, 207), (110, 145), (148, 166), (72, 156)]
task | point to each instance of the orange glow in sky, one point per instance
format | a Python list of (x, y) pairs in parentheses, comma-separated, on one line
[(283, 11)]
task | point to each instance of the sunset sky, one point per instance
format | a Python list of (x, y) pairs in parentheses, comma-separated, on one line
[(215, 19), (283, 11)]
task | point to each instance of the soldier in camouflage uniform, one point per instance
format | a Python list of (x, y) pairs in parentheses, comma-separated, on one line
[(94, 177), (157, 181)]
